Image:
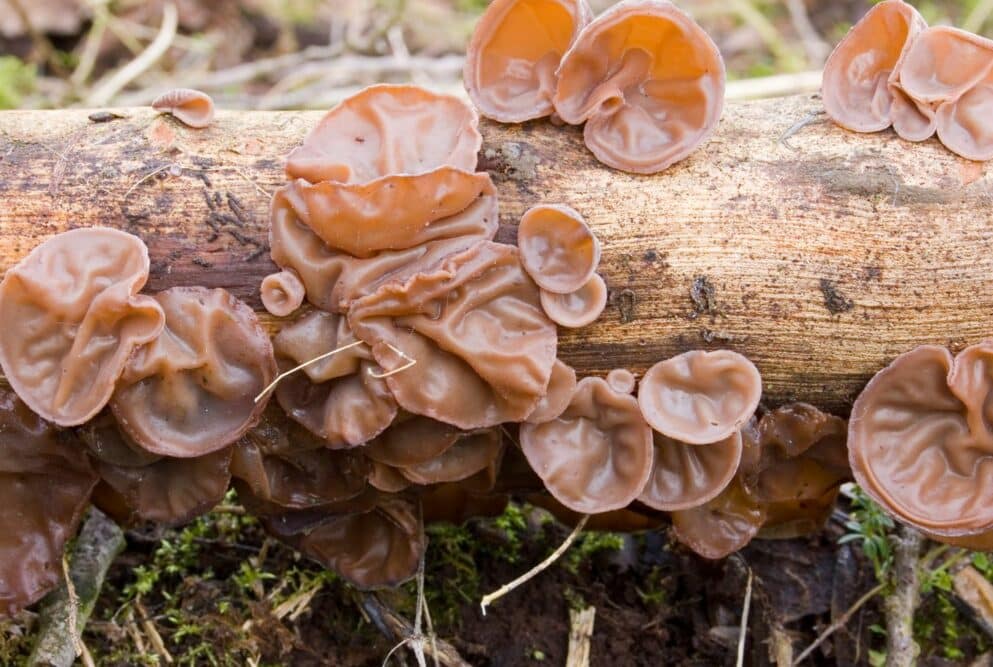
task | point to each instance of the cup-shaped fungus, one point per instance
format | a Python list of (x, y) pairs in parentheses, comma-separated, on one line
[(920, 441), (622, 380), (558, 250), (72, 318), (514, 53), (648, 82), (685, 476), (190, 107), (700, 397), (631, 519), (597, 455), (45, 484), (454, 503), (465, 343), (561, 385), (953, 70), (861, 89), (471, 453), (385, 130), (282, 292), (576, 309), (192, 390), (412, 440), (722, 526)]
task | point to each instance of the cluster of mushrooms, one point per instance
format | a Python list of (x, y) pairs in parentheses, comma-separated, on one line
[(894, 70)]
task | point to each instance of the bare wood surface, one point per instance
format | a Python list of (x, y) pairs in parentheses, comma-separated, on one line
[(580, 632), (821, 257)]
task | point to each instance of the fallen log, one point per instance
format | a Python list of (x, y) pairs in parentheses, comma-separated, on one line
[(820, 256)]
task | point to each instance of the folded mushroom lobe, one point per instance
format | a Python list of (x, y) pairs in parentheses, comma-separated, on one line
[(597, 455), (315, 334), (686, 476), (622, 380), (475, 347), (576, 309), (192, 107), (856, 88), (470, 454), (73, 317), (514, 52), (45, 485), (561, 386), (412, 441), (282, 292), (558, 250), (107, 444), (722, 526), (453, 503), (387, 479), (386, 130), (624, 520), (192, 390), (648, 82), (920, 441), (700, 397)]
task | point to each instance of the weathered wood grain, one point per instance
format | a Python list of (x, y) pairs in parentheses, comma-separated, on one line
[(820, 260)]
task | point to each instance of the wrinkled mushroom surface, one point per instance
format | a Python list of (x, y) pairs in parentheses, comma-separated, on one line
[(700, 397), (514, 53), (561, 385), (597, 455), (191, 107), (558, 250), (385, 130), (685, 476), (72, 318), (282, 292), (314, 334), (579, 308), (45, 483), (192, 390), (648, 82), (722, 526)]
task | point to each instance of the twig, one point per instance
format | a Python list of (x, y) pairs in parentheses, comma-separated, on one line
[(580, 632), (394, 626), (743, 632), (114, 83), (815, 46), (794, 129), (840, 623), (537, 569), (73, 609), (153, 634), (978, 16), (42, 45), (91, 47), (901, 649), (778, 85)]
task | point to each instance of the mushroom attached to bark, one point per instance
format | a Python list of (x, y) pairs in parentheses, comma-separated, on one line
[(648, 82), (622, 380), (597, 455), (576, 309), (561, 386), (470, 454), (700, 397), (387, 130), (282, 292), (45, 484), (920, 441), (72, 317), (192, 390), (558, 250), (685, 476), (512, 58), (190, 107), (722, 526), (861, 87)]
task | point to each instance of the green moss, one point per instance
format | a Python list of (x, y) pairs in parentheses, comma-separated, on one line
[(17, 79)]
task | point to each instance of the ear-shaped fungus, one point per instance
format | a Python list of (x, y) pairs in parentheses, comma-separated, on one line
[(861, 87), (514, 52), (482, 348), (282, 292), (597, 455), (45, 484), (920, 441), (387, 130), (624, 520), (455, 503), (191, 107), (685, 476), (558, 250), (556, 399), (700, 397), (191, 391), (953, 70), (622, 380), (72, 317), (470, 454), (722, 526), (648, 82), (579, 308)]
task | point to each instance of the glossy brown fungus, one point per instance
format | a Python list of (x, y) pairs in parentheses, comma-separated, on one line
[(558, 250), (190, 107), (648, 82), (471, 453), (411, 441), (622, 381), (722, 526), (561, 386), (72, 318), (685, 476), (191, 391), (45, 484), (700, 397), (512, 58), (597, 455), (576, 309), (631, 519), (282, 292)]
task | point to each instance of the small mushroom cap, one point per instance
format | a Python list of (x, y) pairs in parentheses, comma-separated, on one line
[(73, 317), (45, 484), (685, 476), (561, 386), (597, 455), (385, 130), (282, 292), (920, 441), (484, 349), (191, 107), (648, 82), (470, 454), (857, 81), (558, 250), (576, 309), (700, 397), (622, 380), (412, 441), (192, 390), (513, 54), (721, 527)]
